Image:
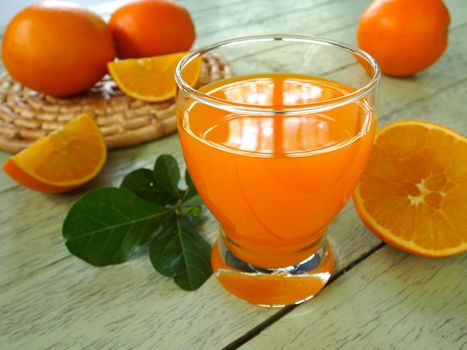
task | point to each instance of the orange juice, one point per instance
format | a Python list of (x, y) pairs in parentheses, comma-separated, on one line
[(275, 182)]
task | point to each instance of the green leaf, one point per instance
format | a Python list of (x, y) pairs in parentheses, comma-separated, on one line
[(141, 182), (167, 174), (107, 225), (192, 210), (192, 201), (181, 253), (191, 191)]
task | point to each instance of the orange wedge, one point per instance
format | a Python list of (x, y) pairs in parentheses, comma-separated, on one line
[(152, 79), (61, 161), (413, 194)]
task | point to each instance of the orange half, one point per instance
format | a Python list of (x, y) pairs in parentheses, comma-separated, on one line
[(64, 160), (152, 79), (413, 194)]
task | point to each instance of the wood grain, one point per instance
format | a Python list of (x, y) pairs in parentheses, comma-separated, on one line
[(69, 305), (389, 301), (49, 299)]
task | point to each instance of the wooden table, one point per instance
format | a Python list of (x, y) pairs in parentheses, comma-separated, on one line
[(379, 297)]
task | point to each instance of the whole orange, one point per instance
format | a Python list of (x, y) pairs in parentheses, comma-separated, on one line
[(57, 47), (144, 28), (404, 36)]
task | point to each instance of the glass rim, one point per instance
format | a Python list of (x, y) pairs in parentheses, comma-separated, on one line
[(236, 107)]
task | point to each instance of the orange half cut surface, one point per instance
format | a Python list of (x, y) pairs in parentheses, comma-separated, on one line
[(413, 193)]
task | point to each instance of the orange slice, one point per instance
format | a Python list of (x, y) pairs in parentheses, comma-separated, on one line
[(64, 160), (152, 79), (413, 194)]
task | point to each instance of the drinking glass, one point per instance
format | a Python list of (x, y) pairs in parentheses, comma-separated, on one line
[(275, 152)]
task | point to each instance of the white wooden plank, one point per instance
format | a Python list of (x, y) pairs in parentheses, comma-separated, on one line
[(316, 19), (72, 306), (389, 301), (105, 7)]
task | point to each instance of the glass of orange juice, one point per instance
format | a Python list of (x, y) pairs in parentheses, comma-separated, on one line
[(275, 152)]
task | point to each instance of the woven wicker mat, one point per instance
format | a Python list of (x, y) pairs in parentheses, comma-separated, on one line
[(26, 115)]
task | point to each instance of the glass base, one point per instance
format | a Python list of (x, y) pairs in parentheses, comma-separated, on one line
[(276, 287)]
